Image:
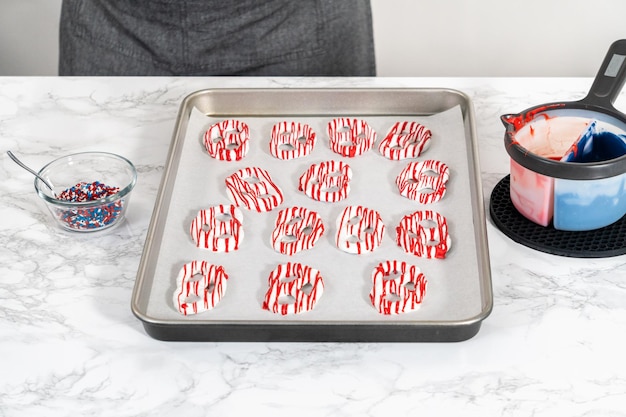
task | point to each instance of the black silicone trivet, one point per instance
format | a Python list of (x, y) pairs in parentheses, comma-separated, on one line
[(598, 243)]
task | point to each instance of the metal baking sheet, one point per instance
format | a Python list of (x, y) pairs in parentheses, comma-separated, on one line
[(458, 296)]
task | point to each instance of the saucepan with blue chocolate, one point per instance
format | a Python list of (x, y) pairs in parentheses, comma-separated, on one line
[(568, 159)]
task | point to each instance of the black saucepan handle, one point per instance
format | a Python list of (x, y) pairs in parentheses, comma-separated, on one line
[(610, 78)]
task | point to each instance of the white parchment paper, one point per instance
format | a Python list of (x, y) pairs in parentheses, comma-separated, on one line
[(453, 291)]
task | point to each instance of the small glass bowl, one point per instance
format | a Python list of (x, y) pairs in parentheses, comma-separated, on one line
[(67, 172)]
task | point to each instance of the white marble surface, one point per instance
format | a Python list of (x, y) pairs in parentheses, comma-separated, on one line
[(69, 344)]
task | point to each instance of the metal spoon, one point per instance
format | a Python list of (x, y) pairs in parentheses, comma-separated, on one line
[(20, 163)]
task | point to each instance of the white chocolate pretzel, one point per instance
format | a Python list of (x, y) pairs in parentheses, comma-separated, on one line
[(296, 229), (291, 140), (218, 228), (327, 181), (293, 288), (397, 287), (254, 189), (405, 140), (423, 181), (199, 287), (424, 234), (359, 230), (227, 140), (350, 137)]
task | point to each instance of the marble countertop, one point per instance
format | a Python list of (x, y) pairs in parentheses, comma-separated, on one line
[(553, 345)]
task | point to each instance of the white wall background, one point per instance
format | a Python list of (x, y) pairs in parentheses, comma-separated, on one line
[(412, 37)]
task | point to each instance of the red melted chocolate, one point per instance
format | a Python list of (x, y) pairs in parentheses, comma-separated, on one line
[(519, 120)]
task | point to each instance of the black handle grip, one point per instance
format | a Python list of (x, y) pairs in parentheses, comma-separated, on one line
[(610, 78)]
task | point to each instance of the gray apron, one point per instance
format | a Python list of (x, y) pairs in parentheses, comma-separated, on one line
[(216, 37)]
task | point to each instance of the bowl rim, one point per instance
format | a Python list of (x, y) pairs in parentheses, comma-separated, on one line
[(560, 169), (109, 199)]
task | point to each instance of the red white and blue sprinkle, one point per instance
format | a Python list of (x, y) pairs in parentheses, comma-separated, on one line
[(90, 217)]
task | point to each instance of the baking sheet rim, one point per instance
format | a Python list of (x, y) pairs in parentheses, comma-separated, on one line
[(186, 107)]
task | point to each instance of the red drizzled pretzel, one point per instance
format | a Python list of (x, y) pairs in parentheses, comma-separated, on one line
[(405, 140), (227, 140), (397, 287), (254, 189), (327, 181), (423, 181), (425, 234), (291, 140), (359, 230), (296, 229), (199, 287), (219, 228), (293, 288), (350, 137)]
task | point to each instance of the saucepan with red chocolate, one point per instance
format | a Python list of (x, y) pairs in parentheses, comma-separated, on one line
[(568, 159)]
